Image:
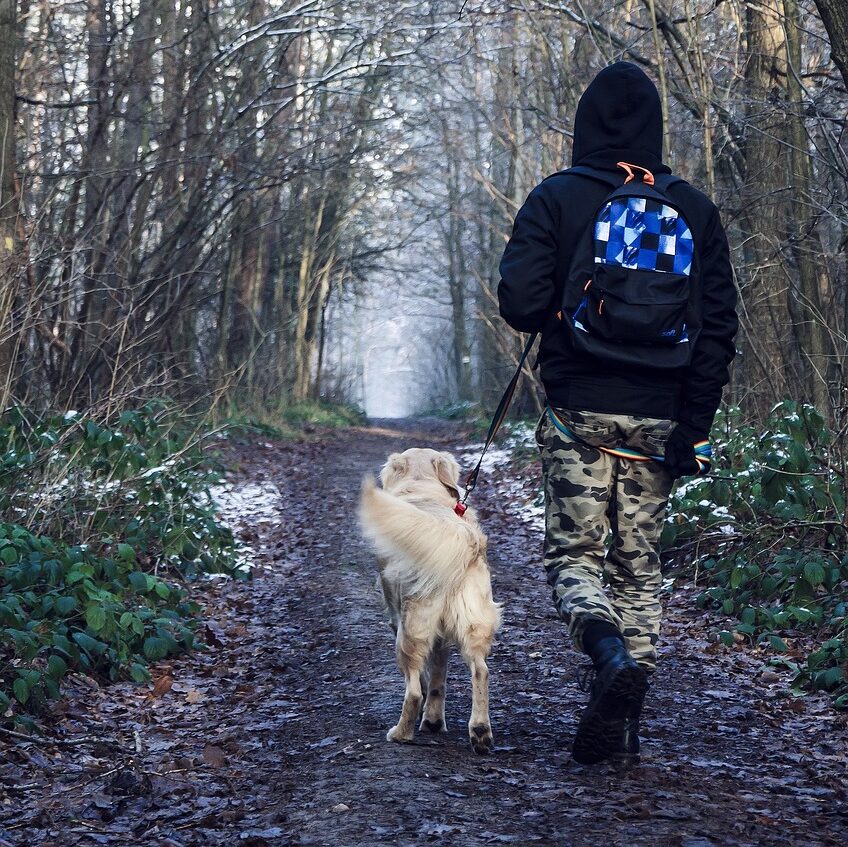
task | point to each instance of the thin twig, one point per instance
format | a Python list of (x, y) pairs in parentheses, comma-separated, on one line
[(58, 742)]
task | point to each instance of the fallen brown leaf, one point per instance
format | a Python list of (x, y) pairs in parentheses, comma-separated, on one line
[(195, 696), (214, 756), (162, 686)]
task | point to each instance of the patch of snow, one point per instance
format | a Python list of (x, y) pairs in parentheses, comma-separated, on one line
[(687, 487), (251, 500), (521, 435), (722, 512), (531, 509), (533, 514), (243, 504), (159, 469), (495, 457)]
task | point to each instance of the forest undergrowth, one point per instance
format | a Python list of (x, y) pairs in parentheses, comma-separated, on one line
[(767, 535), (106, 523)]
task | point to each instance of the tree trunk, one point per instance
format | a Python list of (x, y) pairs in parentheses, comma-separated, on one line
[(457, 273), (8, 195), (804, 233), (834, 15), (768, 346), (86, 349), (304, 296)]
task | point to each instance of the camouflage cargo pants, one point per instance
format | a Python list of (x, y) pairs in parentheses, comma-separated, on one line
[(604, 516)]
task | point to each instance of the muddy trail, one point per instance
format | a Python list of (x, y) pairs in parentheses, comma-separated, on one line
[(275, 735)]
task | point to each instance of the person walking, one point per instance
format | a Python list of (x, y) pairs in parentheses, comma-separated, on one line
[(625, 271)]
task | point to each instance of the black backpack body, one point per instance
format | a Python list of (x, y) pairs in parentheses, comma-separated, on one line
[(632, 294)]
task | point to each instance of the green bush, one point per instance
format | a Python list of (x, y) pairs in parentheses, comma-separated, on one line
[(319, 413), (768, 532), (103, 526), (64, 609), (289, 420)]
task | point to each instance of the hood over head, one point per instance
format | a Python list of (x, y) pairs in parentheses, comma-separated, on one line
[(619, 118)]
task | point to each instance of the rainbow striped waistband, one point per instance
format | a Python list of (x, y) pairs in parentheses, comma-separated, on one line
[(703, 449)]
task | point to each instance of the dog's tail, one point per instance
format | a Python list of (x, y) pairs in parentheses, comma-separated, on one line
[(431, 551)]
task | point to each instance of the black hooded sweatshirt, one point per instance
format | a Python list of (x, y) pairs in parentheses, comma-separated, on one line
[(619, 118)]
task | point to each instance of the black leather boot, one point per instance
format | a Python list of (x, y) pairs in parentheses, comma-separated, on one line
[(628, 753), (617, 692)]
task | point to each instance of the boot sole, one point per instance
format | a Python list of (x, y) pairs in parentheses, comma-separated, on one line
[(623, 761), (601, 725)]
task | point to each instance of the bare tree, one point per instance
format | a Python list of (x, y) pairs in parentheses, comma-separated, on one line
[(210, 189), (8, 193), (834, 14)]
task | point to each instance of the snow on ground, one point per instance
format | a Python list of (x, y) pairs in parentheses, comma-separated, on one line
[(256, 500), (243, 505), (495, 472)]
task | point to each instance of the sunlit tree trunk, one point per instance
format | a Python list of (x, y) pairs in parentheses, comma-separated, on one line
[(806, 242), (769, 344), (455, 248), (304, 296), (87, 351), (8, 195)]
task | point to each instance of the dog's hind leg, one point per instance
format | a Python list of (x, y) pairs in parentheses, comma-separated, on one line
[(473, 622), (411, 655), (479, 726), (414, 641), (434, 707)]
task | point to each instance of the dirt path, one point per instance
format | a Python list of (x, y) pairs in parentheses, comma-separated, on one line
[(275, 735)]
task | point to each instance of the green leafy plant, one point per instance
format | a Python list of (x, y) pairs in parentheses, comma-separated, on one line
[(104, 525), (768, 534), (63, 609)]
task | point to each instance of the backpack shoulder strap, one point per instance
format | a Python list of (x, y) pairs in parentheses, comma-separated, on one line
[(665, 181), (611, 180)]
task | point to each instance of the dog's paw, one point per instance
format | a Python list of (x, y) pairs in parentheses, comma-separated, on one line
[(437, 725), (396, 734), (481, 738)]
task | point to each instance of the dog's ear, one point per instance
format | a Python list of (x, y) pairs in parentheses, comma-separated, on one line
[(447, 472), (395, 469)]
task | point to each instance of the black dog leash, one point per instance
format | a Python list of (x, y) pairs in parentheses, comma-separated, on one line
[(494, 426)]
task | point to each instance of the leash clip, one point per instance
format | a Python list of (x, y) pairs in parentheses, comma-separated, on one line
[(460, 508)]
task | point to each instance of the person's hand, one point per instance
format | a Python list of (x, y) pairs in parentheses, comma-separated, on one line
[(680, 451)]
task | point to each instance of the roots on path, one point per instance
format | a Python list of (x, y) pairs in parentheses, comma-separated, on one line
[(275, 734)]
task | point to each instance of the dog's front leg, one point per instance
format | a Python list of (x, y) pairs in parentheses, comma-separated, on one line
[(479, 727), (434, 706), (410, 657)]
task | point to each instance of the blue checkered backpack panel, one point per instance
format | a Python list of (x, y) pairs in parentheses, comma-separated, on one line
[(643, 234)]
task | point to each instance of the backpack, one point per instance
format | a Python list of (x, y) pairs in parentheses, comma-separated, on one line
[(631, 296)]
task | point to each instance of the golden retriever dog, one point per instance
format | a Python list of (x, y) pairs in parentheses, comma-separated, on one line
[(436, 583)]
